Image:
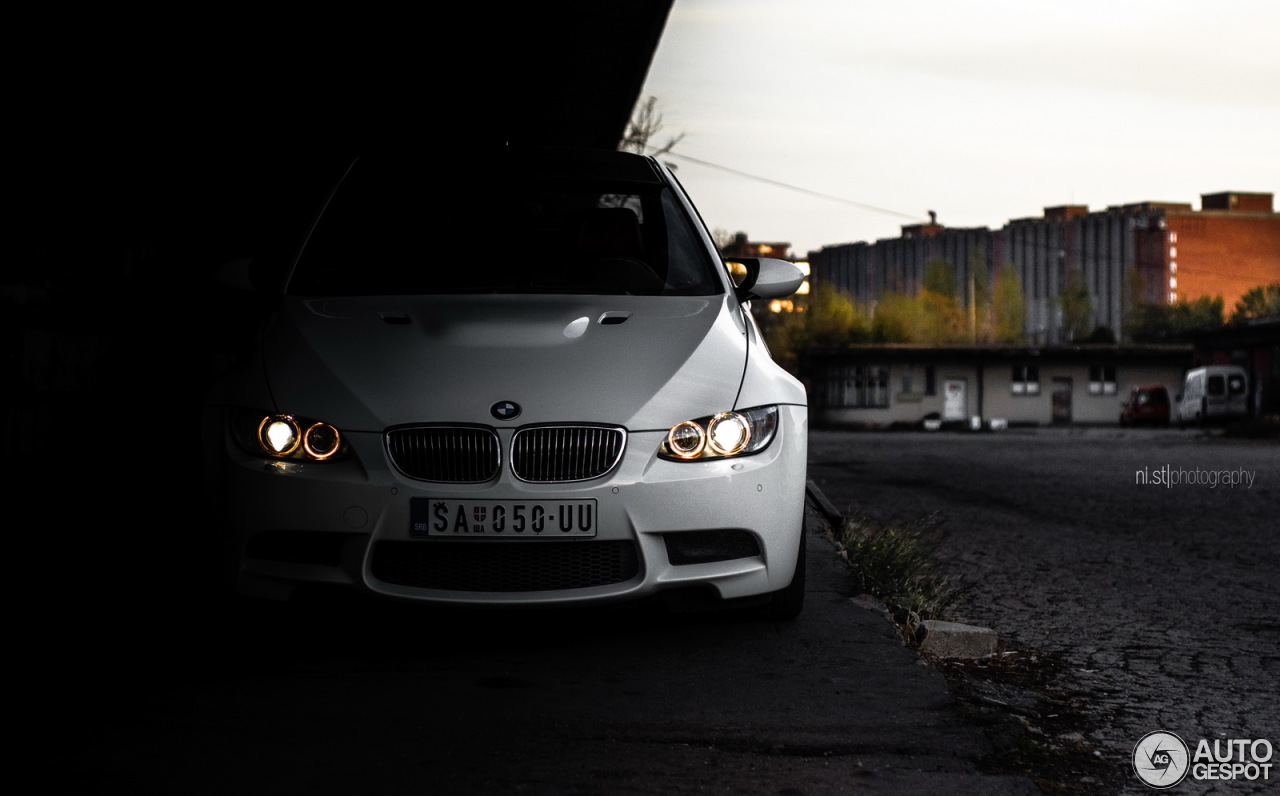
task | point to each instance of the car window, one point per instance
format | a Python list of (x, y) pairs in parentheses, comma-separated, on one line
[(1216, 385), (521, 233), (1235, 384)]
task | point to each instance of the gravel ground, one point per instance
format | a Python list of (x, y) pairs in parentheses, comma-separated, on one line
[(1131, 607)]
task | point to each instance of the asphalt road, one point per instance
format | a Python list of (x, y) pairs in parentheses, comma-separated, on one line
[(383, 698), (1154, 606)]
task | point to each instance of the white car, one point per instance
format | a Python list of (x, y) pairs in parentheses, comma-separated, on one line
[(581, 409)]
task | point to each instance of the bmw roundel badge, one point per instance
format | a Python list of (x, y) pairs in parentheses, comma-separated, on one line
[(505, 410)]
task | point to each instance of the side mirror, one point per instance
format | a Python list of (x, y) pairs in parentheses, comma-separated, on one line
[(767, 278)]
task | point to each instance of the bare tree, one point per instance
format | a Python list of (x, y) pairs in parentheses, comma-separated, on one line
[(644, 128)]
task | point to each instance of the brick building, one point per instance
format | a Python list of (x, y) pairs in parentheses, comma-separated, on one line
[(1227, 247)]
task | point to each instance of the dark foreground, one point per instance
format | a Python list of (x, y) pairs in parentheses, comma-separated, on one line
[(384, 698)]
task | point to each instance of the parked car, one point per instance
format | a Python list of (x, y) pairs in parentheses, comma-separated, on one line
[(1212, 393), (581, 409), (1146, 404)]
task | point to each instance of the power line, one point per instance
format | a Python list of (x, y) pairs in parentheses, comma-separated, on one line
[(790, 187)]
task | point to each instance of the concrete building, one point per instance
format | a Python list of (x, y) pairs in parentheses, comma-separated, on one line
[(880, 386), (1228, 246)]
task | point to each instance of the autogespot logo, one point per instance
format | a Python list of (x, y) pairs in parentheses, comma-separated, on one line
[(1161, 759)]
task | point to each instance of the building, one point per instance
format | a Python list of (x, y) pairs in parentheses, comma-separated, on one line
[(1156, 252), (882, 386)]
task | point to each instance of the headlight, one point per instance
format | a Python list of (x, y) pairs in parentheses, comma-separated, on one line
[(283, 436), (739, 433)]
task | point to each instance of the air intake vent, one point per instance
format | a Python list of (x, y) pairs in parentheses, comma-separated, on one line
[(556, 454), (505, 566), (456, 454)]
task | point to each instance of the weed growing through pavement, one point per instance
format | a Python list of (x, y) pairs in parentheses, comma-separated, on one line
[(899, 566)]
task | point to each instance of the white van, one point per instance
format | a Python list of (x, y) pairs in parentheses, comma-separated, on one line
[(1213, 392)]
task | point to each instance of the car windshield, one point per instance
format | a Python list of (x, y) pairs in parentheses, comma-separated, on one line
[(523, 231)]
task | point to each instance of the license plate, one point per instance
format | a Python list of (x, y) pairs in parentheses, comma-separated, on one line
[(526, 519)]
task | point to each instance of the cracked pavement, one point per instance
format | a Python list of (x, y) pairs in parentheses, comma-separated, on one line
[(1160, 603)]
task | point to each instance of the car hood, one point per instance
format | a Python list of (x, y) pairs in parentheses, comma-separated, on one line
[(367, 363)]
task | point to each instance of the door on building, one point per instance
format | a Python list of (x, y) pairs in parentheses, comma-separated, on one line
[(1061, 400), (953, 404)]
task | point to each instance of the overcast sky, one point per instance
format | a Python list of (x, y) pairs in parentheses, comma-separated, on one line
[(983, 111)]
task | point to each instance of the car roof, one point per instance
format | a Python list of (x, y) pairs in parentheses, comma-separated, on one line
[(584, 164)]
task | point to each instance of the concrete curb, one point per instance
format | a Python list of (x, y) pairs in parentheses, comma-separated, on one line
[(955, 640), (823, 505)]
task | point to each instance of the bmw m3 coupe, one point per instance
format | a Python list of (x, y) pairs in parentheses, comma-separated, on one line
[(580, 408)]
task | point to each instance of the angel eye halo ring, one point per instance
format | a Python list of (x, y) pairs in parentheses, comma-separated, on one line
[(281, 435), (722, 435), (686, 440)]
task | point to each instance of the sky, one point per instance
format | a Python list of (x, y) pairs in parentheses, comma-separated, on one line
[(982, 111)]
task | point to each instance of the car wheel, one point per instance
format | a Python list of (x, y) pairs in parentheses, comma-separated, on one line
[(786, 603)]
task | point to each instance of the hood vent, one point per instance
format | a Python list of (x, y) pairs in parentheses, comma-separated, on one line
[(613, 318)]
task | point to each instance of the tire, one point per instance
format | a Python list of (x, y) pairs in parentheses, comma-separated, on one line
[(788, 602)]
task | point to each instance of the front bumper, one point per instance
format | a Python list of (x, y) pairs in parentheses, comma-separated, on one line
[(347, 523)]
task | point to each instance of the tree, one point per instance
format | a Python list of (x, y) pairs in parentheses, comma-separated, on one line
[(643, 129), (1175, 323), (940, 316), (722, 238), (1010, 307), (1262, 301), (1134, 290), (942, 319), (897, 319), (831, 319), (1077, 309), (927, 318), (940, 278)]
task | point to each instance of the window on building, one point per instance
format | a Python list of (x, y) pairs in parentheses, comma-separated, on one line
[(1102, 379), (930, 381), (858, 387), (1026, 380), (908, 381)]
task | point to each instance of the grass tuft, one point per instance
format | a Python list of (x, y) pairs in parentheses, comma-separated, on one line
[(899, 566)]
